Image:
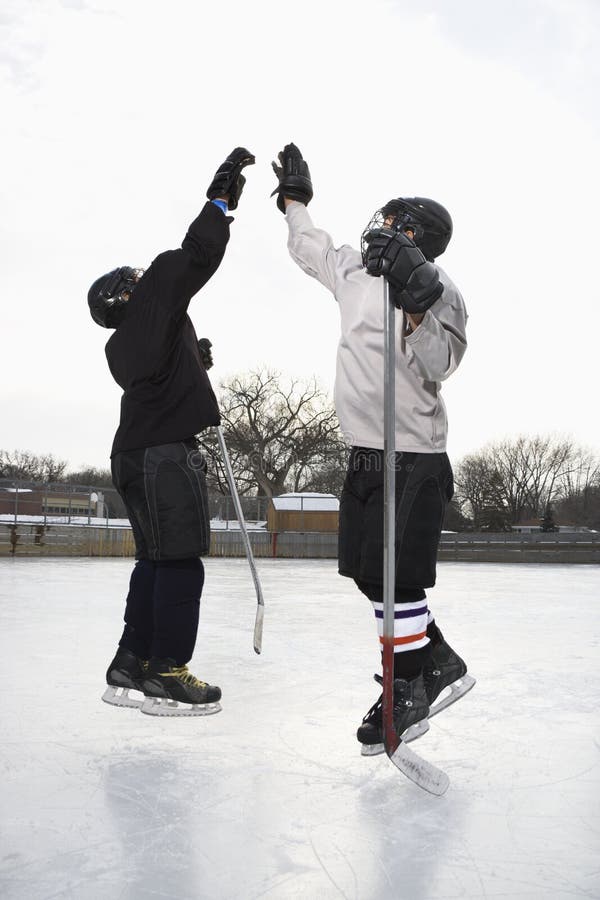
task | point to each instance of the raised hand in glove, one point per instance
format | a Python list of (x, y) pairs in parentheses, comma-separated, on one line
[(204, 346), (294, 177), (414, 281), (229, 181)]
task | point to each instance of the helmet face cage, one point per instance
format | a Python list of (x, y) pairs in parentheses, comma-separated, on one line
[(121, 282), (376, 224), (109, 295)]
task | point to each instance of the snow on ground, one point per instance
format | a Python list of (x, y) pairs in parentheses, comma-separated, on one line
[(215, 524), (271, 798)]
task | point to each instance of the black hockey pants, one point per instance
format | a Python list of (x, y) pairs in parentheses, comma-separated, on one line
[(424, 485), (164, 491), (163, 608)]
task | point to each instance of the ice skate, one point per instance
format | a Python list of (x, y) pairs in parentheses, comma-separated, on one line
[(410, 716), (172, 690), (445, 670), (124, 679)]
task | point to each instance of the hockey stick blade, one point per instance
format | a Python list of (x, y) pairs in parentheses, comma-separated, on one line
[(258, 626), (260, 603), (424, 774)]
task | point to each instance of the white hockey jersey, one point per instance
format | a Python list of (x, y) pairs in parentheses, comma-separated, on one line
[(423, 359)]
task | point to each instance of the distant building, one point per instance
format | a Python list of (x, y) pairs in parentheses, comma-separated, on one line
[(51, 502), (303, 512)]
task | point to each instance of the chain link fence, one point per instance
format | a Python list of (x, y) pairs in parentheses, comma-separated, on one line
[(60, 503), (88, 520), (62, 519), (221, 508)]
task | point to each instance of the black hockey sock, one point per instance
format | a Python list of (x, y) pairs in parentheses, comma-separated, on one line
[(177, 590), (410, 663), (139, 616), (433, 633)]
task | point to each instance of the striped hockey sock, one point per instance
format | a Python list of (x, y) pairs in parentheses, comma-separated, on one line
[(410, 625), (412, 647)]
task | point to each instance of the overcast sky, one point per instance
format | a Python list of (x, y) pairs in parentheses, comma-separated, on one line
[(116, 114)]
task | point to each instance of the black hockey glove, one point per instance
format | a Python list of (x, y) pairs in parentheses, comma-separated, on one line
[(294, 177), (414, 282), (204, 346), (228, 177)]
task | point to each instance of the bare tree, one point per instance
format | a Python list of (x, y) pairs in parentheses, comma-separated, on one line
[(281, 434), (531, 470), (26, 466), (479, 490), (549, 461), (578, 500), (326, 476), (90, 475), (519, 478)]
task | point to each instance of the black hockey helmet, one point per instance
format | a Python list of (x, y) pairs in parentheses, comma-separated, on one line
[(109, 294), (429, 221)]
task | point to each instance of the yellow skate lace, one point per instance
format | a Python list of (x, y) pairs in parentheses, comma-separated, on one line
[(183, 673)]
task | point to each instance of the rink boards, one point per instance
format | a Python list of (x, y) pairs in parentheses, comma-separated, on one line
[(31, 539)]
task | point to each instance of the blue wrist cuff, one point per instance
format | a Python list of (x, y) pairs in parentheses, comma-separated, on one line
[(221, 204)]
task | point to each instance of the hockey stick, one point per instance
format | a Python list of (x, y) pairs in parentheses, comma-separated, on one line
[(260, 607), (423, 773)]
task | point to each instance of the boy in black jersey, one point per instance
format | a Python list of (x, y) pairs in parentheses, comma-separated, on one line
[(156, 465)]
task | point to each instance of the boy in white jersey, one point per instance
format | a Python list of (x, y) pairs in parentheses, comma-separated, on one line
[(400, 243)]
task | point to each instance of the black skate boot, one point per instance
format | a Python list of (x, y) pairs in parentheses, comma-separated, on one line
[(410, 716), (172, 690), (125, 673), (445, 669)]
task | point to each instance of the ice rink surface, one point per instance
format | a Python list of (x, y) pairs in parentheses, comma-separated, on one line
[(271, 798)]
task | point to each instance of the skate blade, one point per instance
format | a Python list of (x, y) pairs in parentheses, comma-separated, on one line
[(371, 749), (411, 734), (457, 690), (118, 696), (162, 706)]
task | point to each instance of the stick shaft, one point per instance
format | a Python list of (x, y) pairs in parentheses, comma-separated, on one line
[(389, 515), (245, 538)]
